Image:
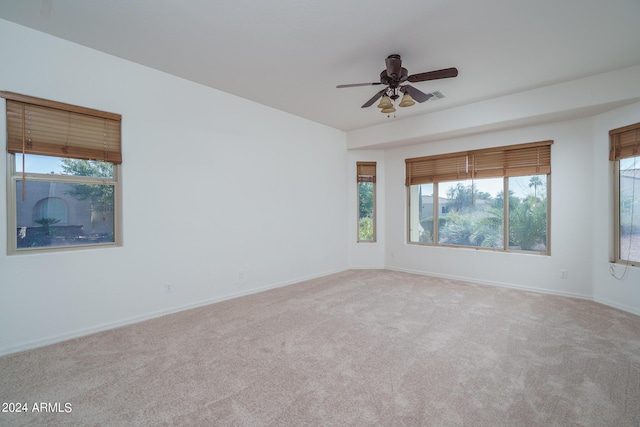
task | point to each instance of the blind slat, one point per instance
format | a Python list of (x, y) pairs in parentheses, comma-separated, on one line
[(444, 168), (625, 142), (366, 171), (61, 130), (513, 160)]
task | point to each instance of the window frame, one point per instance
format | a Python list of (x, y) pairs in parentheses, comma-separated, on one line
[(624, 143), (13, 176), (461, 166), (36, 126), (366, 172)]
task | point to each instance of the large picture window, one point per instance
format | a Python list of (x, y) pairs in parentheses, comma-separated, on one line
[(625, 153), (458, 199), (64, 187)]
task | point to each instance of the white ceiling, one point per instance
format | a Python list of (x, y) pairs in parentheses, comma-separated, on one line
[(291, 54)]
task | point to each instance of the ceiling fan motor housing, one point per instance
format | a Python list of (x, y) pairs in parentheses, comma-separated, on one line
[(393, 81)]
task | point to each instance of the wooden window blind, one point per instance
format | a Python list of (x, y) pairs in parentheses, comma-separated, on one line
[(446, 167), (514, 160), (625, 142), (43, 127), (366, 171)]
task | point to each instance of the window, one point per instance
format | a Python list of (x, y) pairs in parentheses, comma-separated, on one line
[(458, 199), (64, 187), (366, 172), (625, 152)]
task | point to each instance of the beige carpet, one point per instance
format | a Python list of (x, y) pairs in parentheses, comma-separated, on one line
[(357, 348)]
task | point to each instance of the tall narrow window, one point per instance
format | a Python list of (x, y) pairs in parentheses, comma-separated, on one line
[(458, 199), (625, 152), (64, 163), (366, 201)]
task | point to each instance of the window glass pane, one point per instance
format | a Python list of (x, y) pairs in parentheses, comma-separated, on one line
[(471, 213), (629, 222), (366, 211), (63, 214), (51, 207), (528, 213), (63, 166), (421, 213)]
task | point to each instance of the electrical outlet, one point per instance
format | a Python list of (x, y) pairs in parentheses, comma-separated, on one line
[(564, 274), (241, 275), (168, 289)]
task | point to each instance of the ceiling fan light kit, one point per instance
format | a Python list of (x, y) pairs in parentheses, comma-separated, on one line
[(406, 101), (385, 102), (393, 77)]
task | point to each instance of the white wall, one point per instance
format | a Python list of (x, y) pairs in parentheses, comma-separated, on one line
[(192, 217), (571, 216), (583, 97)]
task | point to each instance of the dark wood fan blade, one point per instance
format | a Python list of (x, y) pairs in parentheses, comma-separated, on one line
[(416, 94), (433, 75), (374, 99), (394, 66), (359, 84)]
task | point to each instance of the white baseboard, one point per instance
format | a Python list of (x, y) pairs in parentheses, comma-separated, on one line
[(368, 267), (618, 306), (493, 283), (148, 316)]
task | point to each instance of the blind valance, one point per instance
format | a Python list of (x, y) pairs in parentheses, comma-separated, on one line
[(625, 142), (514, 160), (366, 171), (43, 127)]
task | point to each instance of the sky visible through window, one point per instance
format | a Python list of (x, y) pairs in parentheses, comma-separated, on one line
[(39, 164)]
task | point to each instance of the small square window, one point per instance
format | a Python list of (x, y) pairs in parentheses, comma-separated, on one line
[(73, 204), (63, 163)]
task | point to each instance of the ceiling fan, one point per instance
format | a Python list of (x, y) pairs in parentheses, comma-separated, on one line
[(393, 77)]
